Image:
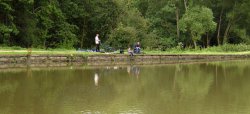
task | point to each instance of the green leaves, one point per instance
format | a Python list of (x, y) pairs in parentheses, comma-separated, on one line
[(55, 31), (7, 26), (74, 23), (123, 37), (27, 1), (132, 27), (197, 20)]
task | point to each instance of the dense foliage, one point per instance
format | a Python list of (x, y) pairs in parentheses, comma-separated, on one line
[(121, 23)]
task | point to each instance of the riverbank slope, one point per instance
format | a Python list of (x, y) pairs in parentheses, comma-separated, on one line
[(91, 58)]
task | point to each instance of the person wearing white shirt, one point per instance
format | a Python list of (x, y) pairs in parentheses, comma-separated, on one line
[(97, 42)]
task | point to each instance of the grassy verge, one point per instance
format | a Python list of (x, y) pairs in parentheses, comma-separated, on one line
[(196, 52), (218, 50), (35, 52), (69, 52), (225, 49)]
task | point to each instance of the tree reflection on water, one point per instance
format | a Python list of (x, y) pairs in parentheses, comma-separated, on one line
[(219, 87)]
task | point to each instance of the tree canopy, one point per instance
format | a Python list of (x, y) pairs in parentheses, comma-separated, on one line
[(121, 23)]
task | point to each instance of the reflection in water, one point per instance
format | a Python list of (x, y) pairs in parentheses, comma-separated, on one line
[(107, 67), (29, 72), (206, 88), (115, 67), (133, 70), (129, 69), (96, 79)]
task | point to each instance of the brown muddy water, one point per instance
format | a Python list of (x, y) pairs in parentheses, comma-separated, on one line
[(188, 88)]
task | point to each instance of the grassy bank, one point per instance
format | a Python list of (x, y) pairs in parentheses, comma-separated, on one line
[(21, 51), (225, 49)]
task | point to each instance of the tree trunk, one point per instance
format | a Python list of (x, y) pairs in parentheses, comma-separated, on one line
[(225, 38), (44, 44), (177, 23), (82, 38), (195, 44), (44, 38), (185, 4), (208, 40), (219, 27), (193, 37), (83, 35)]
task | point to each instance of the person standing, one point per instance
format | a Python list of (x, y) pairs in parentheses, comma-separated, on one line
[(97, 42)]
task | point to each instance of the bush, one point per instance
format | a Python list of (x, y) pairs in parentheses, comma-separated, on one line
[(235, 48), (17, 48), (229, 48), (11, 48), (223, 48)]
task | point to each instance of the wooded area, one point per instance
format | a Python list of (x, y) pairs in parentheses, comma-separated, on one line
[(157, 24)]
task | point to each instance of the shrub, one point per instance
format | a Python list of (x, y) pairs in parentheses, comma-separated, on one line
[(235, 47), (229, 48)]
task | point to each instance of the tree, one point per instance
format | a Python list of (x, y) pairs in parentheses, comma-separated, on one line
[(237, 20), (54, 30), (197, 21), (25, 22), (74, 23), (7, 26), (131, 29)]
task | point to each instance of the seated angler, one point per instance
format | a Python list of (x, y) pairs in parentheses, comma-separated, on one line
[(130, 52), (137, 48)]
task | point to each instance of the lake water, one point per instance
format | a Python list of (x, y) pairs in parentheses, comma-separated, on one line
[(191, 88)]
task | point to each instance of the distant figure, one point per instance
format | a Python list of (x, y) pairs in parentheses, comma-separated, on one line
[(97, 42), (137, 48), (130, 52)]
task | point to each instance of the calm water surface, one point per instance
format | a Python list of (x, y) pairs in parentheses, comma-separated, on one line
[(193, 88)]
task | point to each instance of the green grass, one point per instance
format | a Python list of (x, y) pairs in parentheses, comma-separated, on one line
[(23, 51), (196, 52), (217, 50), (225, 49), (42, 52), (154, 52)]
